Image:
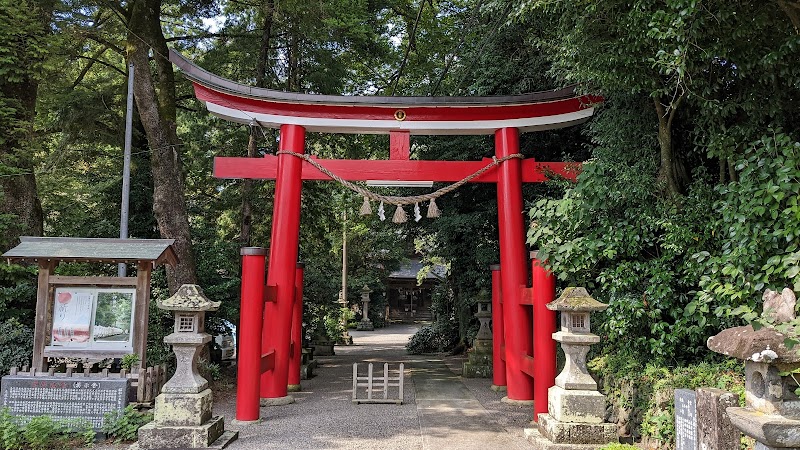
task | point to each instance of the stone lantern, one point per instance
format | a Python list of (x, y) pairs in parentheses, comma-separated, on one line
[(772, 409), (182, 416), (576, 417), (479, 357), (365, 324)]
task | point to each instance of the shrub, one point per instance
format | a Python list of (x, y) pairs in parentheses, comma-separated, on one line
[(16, 345), (43, 433), (432, 339), (124, 425), (619, 447)]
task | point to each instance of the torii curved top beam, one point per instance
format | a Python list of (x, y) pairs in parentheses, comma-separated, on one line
[(381, 115)]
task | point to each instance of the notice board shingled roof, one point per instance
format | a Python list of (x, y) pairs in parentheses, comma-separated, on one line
[(158, 251)]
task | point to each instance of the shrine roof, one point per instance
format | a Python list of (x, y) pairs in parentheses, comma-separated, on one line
[(381, 114), (157, 251)]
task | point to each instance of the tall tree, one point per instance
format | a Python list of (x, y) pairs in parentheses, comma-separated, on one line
[(24, 30), (155, 101)]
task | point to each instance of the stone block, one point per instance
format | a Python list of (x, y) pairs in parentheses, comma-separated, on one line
[(576, 406), (183, 409), (769, 429), (715, 430), (576, 433), (539, 442), (470, 370), (153, 436)]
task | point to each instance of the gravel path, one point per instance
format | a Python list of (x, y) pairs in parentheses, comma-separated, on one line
[(440, 409)]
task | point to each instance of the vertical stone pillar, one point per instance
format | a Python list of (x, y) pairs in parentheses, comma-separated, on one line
[(716, 432)]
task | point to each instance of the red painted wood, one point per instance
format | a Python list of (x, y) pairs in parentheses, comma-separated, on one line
[(295, 354), (268, 361), (249, 353), (355, 170), (283, 261), (527, 365), (399, 145), (513, 261), (467, 113), (498, 335), (544, 347)]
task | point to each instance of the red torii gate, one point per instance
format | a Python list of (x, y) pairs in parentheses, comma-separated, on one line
[(269, 342)]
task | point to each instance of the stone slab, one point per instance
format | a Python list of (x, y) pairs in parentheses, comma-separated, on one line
[(511, 401), (183, 409), (277, 401), (715, 430), (685, 420), (62, 397), (576, 406), (539, 442), (153, 436), (772, 430), (576, 433)]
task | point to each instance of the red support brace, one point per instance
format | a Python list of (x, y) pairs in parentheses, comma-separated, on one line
[(517, 318), (544, 325), (297, 331), (283, 260), (251, 315), (498, 338)]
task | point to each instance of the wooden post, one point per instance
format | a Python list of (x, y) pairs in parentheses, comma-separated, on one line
[(42, 313), (141, 310)]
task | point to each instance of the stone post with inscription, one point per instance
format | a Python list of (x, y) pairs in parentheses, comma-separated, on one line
[(576, 410), (182, 417)]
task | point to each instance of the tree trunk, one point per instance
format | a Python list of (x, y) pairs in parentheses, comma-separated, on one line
[(671, 172), (20, 200), (246, 230), (157, 112)]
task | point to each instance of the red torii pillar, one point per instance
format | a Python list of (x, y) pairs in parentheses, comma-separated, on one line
[(516, 317), (276, 331)]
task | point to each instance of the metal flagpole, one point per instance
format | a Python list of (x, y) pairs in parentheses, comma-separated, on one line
[(126, 169)]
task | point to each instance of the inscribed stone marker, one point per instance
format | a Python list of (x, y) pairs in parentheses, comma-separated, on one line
[(685, 419), (62, 397)]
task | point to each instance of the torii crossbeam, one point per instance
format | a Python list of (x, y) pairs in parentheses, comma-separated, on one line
[(399, 117)]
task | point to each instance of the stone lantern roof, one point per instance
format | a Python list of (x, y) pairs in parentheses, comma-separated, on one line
[(576, 299), (746, 343), (189, 297)]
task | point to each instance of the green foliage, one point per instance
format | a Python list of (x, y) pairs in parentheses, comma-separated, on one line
[(757, 230), (43, 433), (642, 398), (129, 361), (123, 425), (619, 447), (16, 345), (435, 338), (209, 370), (17, 292)]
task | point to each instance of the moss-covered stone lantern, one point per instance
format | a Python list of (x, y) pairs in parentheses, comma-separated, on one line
[(365, 324), (576, 410), (182, 416)]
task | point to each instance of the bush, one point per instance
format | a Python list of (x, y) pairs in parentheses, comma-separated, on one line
[(432, 339), (642, 400), (43, 433), (124, 425), (619, 447), (16, 345)]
